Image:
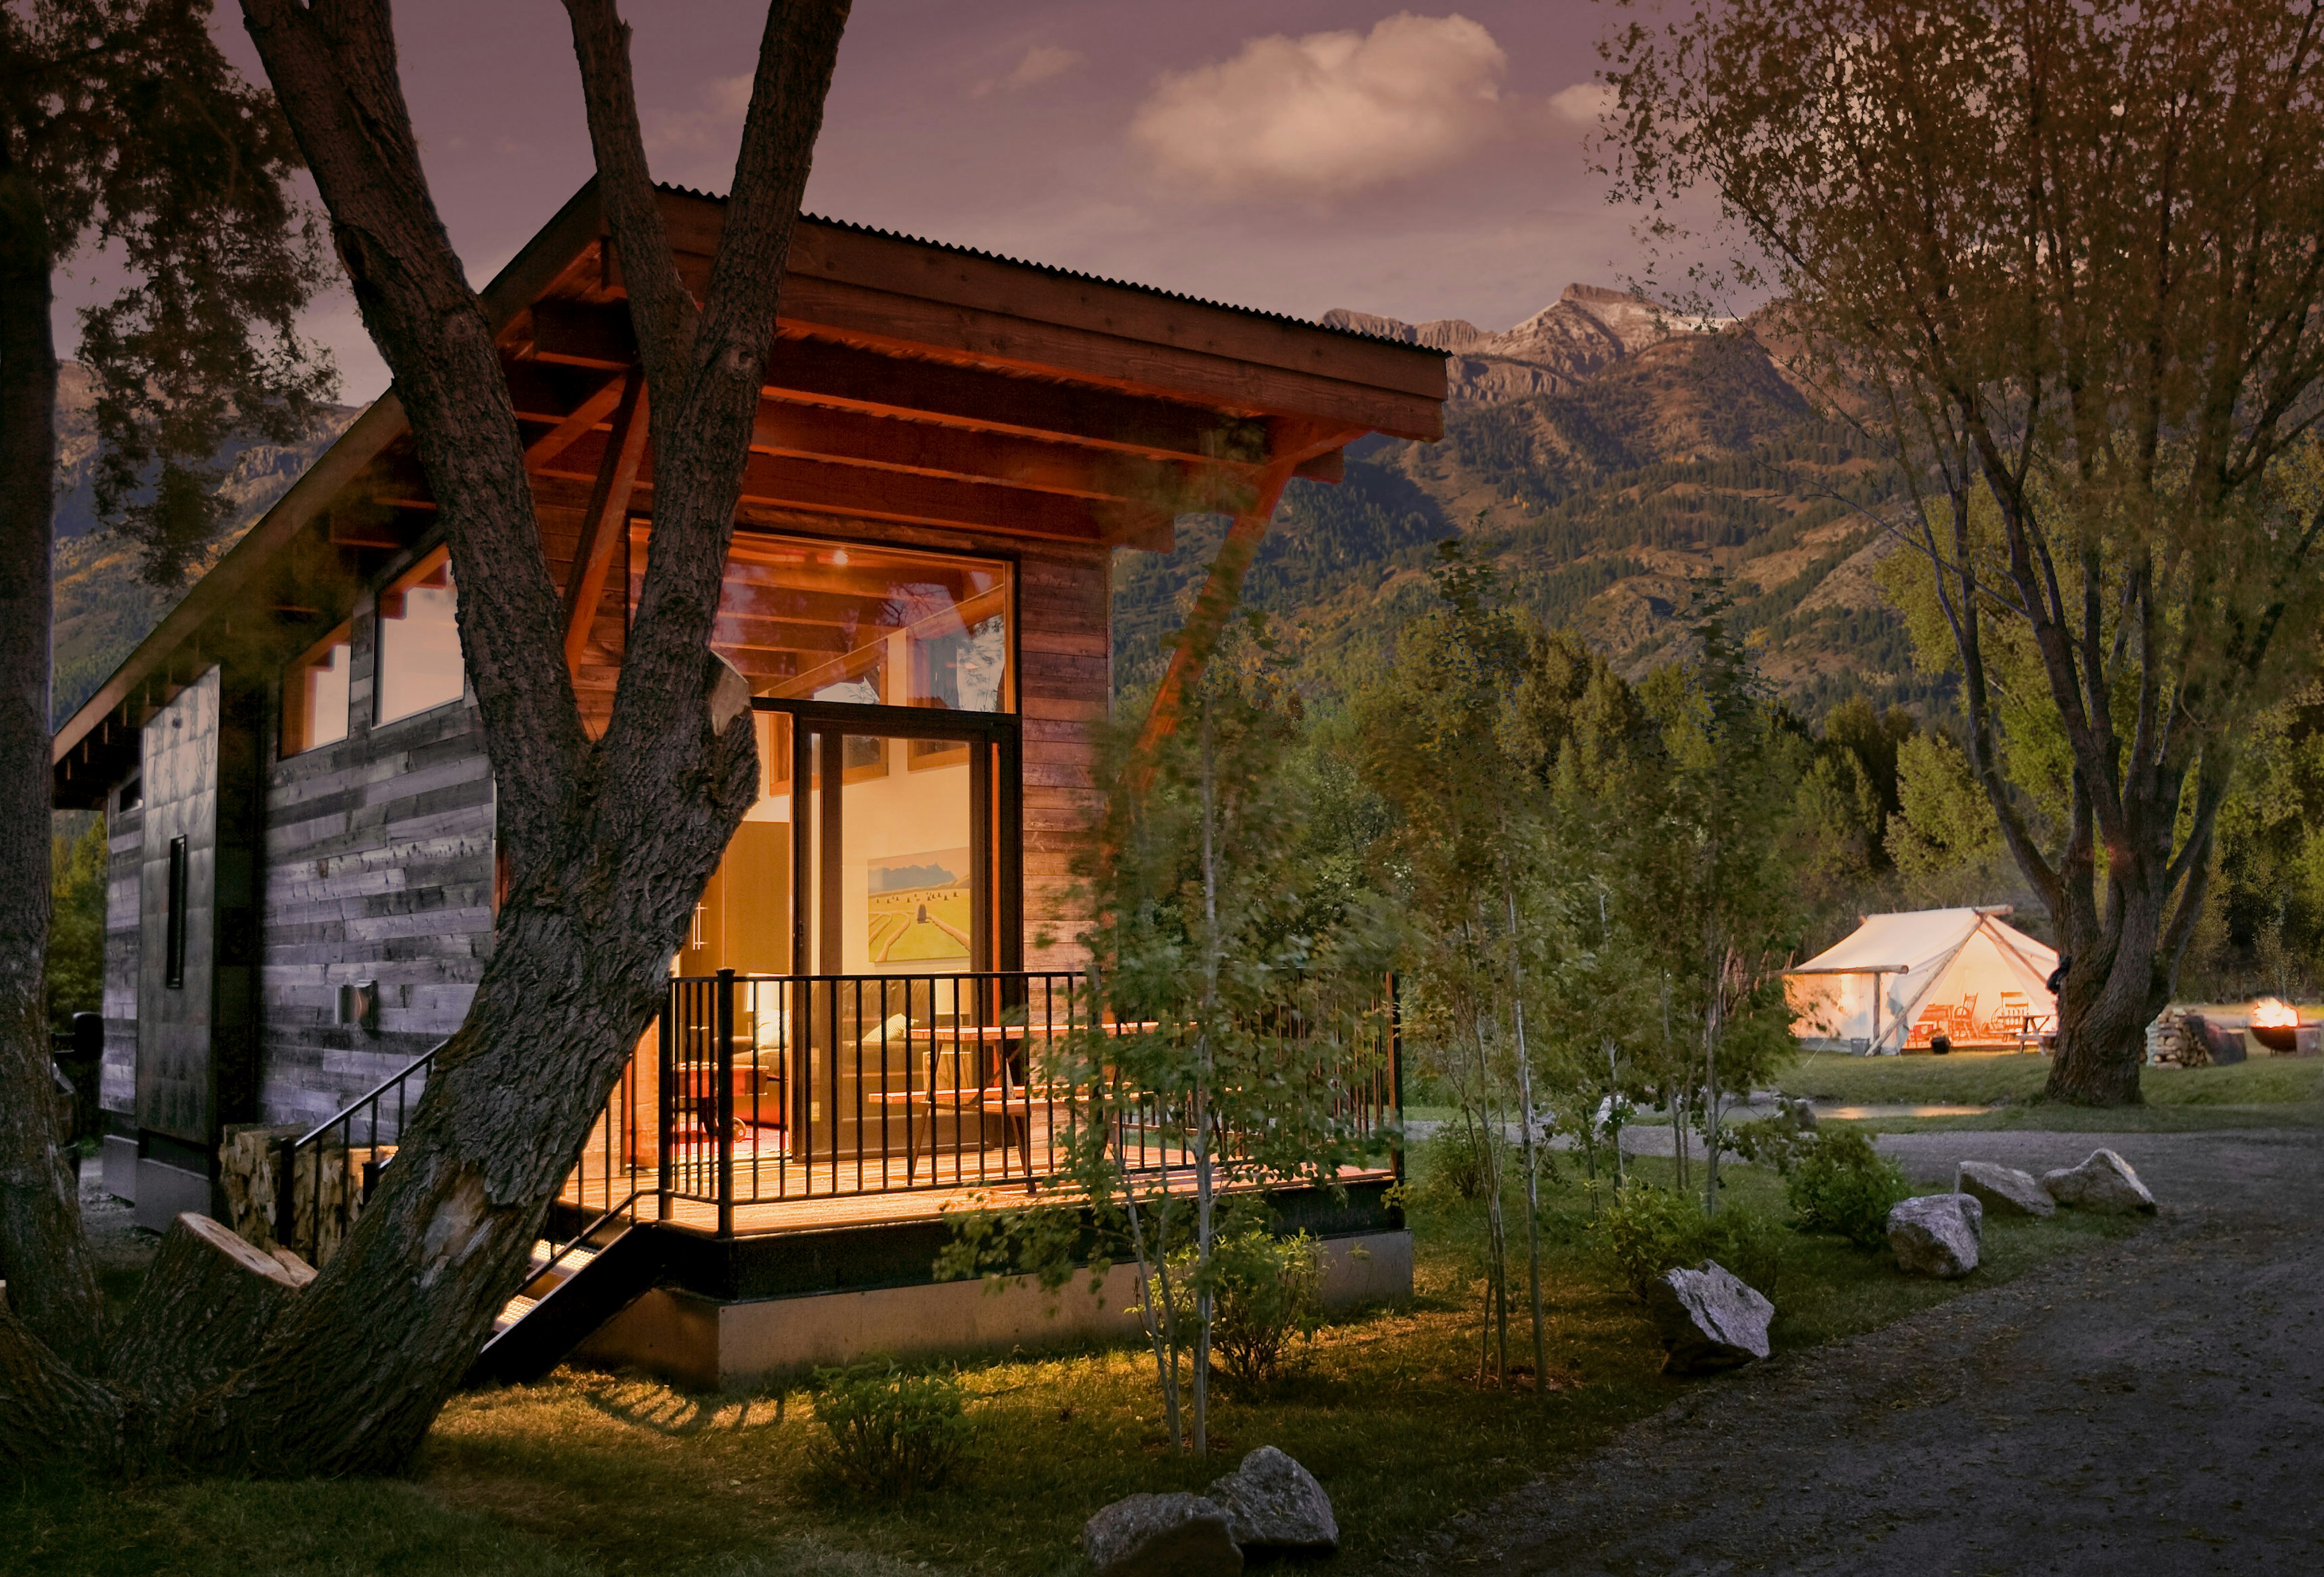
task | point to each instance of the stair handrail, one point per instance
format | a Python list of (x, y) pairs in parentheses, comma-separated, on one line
[(286, 1178), (558, 1251)]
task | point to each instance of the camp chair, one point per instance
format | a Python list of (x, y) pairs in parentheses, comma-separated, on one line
[(1964, 1016)]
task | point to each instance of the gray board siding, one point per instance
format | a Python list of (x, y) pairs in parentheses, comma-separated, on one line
[(125, 842), (379, 867)]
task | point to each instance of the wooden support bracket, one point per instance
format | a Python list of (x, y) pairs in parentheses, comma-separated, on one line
[(602, 527)]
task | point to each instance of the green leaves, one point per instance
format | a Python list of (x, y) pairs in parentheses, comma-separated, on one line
[(127, 129)]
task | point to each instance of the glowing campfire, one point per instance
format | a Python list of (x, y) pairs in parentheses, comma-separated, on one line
[(2275, 1024)]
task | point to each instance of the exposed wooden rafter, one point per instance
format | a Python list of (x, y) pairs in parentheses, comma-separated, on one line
[(602, 524)]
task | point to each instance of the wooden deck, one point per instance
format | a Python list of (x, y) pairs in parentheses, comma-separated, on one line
[(799, 1198)]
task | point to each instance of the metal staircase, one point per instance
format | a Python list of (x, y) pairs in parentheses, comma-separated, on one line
[(571, 1290)]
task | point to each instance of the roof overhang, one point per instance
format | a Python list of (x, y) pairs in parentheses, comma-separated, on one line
[(910, 382)]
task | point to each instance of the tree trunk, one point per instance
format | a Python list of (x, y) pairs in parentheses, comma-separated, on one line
[(202, 1313), (44, 1256), (50, 1411), (609, 844), (2113, 989)]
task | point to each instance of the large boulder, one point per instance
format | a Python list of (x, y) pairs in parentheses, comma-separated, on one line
[(1709, 1319), (2105, 1183), (2004, 1190), (1272, 1503), (1937, 1234), (1162, 1535)]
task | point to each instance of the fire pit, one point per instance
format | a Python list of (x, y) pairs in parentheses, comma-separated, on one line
[(2275, 1024)]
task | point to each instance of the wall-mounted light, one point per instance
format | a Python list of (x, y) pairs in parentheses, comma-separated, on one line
[(359, 1005)]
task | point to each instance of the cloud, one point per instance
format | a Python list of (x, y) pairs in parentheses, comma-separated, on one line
[(1331, 113), (1582, 104), (714, 126), (1041, 63)]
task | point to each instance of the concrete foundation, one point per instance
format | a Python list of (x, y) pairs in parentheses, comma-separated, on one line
[(165, 1192), (710, 1345), (120, 1157)]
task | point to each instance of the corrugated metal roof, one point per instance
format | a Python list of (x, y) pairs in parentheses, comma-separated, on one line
[(1066, 274)]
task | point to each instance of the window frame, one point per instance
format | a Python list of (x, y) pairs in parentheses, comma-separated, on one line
[(344, 635), (424, 564)]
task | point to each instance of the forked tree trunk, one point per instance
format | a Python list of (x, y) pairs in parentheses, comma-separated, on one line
[(44, 1256), (2119, 978), (609, 842)]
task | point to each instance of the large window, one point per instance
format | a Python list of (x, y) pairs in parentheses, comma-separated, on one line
[(813, 621), (420, 641), (315, 695)]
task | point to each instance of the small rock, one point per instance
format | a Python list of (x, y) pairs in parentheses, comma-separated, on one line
[(2105, 1183), (2004, 1190), (1937, 1234), (1161, 1535), (1273, 1503), (1709, 1319)]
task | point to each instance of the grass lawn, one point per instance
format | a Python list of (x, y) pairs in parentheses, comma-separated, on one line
[(2263, 1092), (593, 1473)]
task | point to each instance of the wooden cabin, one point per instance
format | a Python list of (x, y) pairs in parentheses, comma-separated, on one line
[(951, 448)]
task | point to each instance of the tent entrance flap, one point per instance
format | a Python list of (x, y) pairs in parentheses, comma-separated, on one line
[(1901, 980)]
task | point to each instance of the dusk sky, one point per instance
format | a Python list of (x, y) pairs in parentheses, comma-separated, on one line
[(1290, 155)]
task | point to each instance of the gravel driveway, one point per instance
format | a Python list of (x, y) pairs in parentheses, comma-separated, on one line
[(2155, 1405)]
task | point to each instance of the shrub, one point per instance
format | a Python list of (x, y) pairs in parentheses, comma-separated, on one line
[(889, 1432), (1644, 1230), (1267, 1293), (1839, 1184), (1754, 1246), (1270, 1291), (1454, 1162)]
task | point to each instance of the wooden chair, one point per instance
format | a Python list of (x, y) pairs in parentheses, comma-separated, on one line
[(1935, 1019)]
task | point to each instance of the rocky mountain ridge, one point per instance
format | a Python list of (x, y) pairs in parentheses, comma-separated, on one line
[(1585, 331), (1608, 458)]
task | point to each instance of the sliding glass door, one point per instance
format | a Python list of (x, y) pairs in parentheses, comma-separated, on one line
[(908, 847), (901, 857)]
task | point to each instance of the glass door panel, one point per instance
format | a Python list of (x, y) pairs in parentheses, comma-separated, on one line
[(902, 891), (744, 920)]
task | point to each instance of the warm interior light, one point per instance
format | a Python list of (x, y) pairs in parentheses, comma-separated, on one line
[(2268, 1013), (840, 558)]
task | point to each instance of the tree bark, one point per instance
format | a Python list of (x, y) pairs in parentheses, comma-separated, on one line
[(50, 1411), (44, 1256), (202, 1312), (609, 845)]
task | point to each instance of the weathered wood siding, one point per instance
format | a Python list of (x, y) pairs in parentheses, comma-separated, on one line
[(379, 867), (1065, 684), (124, 844)]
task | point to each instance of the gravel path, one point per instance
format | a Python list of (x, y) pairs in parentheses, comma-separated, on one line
[(2151, 1406)]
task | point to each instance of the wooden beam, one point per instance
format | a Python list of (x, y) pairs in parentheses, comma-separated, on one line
[(1221, 591), (602, 524), (876, 320), (817, 373), (927, 448), (583, 417), (822, 487), (1331, 467)]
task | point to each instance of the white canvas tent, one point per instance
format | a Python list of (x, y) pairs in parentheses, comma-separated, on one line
[(1900, 980)]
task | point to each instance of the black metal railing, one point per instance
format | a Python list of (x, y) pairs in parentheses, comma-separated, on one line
[(323, 1176), (771, 1090), (777, 1089)]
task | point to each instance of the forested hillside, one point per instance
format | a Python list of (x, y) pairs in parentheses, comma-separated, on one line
[(1606, 461), (105, 607)]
